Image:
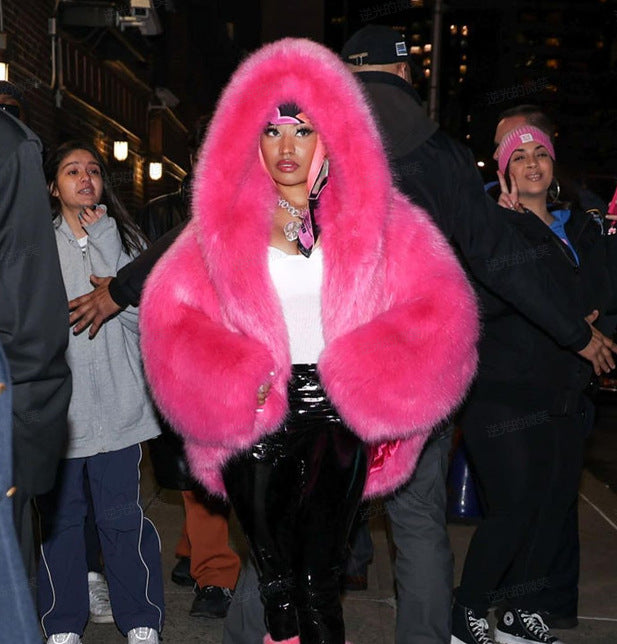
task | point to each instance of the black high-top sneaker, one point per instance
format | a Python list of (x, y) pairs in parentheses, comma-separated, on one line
[(468, 628), (516, 626)]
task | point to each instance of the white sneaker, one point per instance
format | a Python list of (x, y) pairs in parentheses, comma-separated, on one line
[(64, 638), (100, 608), (142, 635)]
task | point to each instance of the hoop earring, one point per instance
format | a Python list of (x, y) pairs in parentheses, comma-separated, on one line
[(554, 190)]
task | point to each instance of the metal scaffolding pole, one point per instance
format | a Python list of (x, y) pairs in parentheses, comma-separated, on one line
[(433, 96)]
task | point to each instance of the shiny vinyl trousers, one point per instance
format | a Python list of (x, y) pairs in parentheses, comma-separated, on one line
[(295, 493)]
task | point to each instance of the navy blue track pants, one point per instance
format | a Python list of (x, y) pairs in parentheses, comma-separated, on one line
[(129, 542)]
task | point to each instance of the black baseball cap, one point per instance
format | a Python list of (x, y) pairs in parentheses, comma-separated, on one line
[(375, 45)]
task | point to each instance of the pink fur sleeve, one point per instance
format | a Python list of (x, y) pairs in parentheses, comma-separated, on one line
[(407, 369), (203, 376)]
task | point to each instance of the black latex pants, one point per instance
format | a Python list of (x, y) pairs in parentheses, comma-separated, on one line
[(295, 494)]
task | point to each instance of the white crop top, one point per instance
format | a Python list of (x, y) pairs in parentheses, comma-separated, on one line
[(297, 280)]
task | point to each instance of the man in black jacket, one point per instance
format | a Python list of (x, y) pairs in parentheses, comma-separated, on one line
[(34, 323)]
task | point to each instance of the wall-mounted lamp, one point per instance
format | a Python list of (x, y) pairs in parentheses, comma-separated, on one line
[(4, 65), (121, 150), (155, 170)]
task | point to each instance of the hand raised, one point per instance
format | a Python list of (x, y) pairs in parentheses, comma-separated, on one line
[(508, 198), (89, 215)]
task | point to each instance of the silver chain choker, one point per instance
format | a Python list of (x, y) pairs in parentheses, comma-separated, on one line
[(292, 228)]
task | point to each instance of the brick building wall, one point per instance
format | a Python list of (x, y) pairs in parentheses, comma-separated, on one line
[(29, 50)]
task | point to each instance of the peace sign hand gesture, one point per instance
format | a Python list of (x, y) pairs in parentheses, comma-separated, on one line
[(508, 198)]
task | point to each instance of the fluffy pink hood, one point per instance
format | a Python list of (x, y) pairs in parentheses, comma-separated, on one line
[(399, 317)]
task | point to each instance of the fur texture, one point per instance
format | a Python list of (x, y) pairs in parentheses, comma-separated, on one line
[(399, 318), (293, 640)]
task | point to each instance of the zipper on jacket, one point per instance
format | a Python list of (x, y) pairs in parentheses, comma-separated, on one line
[(565, 250)]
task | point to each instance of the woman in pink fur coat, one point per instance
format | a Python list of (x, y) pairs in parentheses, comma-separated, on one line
[(309, 327)]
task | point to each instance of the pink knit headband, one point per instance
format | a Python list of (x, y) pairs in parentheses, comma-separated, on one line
[(517, 137)]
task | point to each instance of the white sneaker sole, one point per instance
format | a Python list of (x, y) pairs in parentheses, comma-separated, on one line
[(507, 638), (455, 640)]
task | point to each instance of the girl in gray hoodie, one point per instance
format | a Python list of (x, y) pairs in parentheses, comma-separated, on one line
[(109, 415)]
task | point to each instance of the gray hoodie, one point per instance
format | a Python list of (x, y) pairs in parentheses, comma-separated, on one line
[(110, 407)]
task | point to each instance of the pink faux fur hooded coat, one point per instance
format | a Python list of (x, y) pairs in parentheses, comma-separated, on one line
[(399, 317)]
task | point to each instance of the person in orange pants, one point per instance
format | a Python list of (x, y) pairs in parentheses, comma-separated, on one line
[(205, 557)]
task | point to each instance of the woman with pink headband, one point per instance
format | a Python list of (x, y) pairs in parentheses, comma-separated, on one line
[(527, 415), (531, 139), (308, 328)]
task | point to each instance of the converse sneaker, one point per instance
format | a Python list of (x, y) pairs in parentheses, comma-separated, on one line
[(467, 628), (143, 635), (64, 638), (518, 627), (100, 608)]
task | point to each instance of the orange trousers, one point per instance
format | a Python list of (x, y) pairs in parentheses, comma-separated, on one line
[(205, 540)]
